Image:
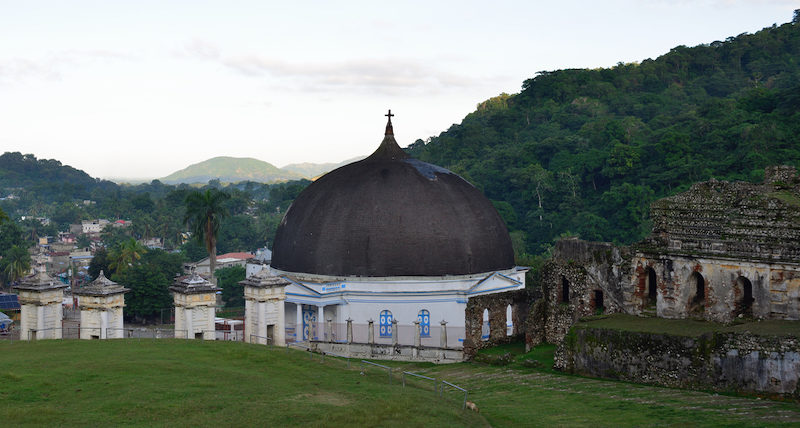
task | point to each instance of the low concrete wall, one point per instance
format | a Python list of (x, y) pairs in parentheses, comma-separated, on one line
[(391, 352), (740, 362)]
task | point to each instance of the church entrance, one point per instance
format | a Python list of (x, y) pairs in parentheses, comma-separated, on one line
[(309, 322)]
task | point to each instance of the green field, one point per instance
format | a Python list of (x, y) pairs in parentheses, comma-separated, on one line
[(195, 383)]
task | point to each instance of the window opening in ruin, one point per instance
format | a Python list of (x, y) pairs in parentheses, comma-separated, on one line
[(564, 290), (424, 318), (485, 325), (270, 334), (509, 321), (598, 305), (652, 287), (385, 323), (698, 289), (745, 304), (198, 335)]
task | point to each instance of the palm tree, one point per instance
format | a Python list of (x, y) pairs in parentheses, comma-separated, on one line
[(125, 254), (204, 214), (16, 262)]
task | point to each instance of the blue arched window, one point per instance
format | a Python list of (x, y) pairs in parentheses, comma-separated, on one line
[(424, 318), (386, 324)]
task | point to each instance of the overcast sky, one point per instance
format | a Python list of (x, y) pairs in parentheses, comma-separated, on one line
[(139, 89)]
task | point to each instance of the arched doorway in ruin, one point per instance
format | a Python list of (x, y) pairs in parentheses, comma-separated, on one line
[(652, 288), (697, 292), (744, 296), (564, 290)]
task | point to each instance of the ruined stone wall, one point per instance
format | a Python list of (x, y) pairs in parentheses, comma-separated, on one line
[(589, 271), (774, 289), (754, 222), (719, 361), (497, 304)]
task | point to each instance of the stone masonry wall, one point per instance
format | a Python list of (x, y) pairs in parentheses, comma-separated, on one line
[(719, 361), (589, 270), (497, 305)]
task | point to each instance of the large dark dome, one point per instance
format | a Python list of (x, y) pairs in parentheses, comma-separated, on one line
[(391, 215)]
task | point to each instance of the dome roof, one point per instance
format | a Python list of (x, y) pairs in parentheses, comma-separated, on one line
[(391, 215)]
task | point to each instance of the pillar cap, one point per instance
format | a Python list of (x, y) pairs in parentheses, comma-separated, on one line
[(193, 284), (101, 286)]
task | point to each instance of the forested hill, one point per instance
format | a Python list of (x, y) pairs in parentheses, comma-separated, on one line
[(46, 178), (586, 151)]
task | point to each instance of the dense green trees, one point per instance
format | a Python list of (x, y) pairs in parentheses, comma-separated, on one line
[(232, 292), (586, 151)]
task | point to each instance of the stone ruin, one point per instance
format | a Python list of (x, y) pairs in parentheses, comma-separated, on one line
[(718, 251)]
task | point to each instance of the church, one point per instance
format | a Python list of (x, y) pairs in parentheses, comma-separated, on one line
[(389, 242)]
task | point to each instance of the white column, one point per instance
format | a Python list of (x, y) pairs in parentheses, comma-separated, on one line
[(320, 320), (187, 314), (103, 324), (39, 321), (280, 327), (298, 328), (262, 322)]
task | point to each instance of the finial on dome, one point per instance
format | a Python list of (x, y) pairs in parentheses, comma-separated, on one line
[(389, 130)]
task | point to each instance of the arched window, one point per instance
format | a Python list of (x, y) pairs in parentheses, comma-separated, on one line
[(385, 323), (485, 325), (744, 305), (652, 287), (509, 321), (697, 291), (564, 290), (424, 318)]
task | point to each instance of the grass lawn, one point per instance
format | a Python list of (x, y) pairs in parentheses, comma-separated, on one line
[(195, 383)]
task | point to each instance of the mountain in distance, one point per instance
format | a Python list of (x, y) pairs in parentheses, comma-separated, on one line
[(231, 170), (314, 170)]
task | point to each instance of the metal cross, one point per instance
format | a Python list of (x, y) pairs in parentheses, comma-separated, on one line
[(389, 115)]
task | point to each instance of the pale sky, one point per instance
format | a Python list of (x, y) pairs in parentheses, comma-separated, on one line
[(139, 89)]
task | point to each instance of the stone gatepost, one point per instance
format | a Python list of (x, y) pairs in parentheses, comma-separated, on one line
[(394, 332), (264, 314), (40, 298), (195, 299), (371, 332), (101, 303), (417, 339), (349, 330), (443, 337)]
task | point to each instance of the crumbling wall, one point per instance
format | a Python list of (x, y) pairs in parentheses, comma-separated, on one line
[(497, 304), (729, 362), (591, 271)]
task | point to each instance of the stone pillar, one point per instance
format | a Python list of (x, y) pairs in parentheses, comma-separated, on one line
[(349, 330), (320, 320), (298, 329), (371, 331), (443, 337), (197, 298), (394, 332), (40, 298), (417, 340), (266, 294), (101, 302), (329, 329)]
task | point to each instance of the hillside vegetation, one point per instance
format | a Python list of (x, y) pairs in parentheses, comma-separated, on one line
[(586, 151)]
